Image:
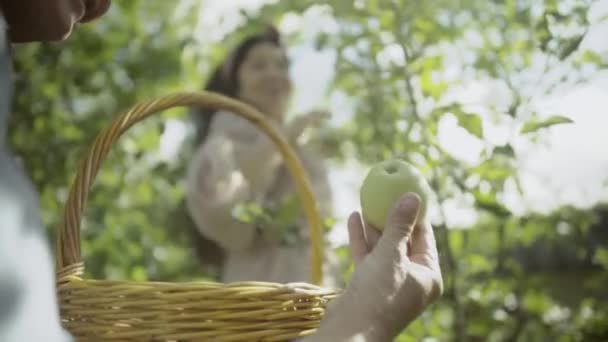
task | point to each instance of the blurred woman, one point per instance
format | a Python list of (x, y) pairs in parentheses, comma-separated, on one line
[(234, 163)]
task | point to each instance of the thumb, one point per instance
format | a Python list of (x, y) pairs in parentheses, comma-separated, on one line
[(400, 222)]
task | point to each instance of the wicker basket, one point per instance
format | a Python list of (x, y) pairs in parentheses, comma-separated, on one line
[(102, 310)]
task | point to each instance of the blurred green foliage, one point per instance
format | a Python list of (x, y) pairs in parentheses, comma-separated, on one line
[(508, 278)]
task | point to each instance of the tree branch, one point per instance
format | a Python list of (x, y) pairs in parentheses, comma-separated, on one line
[(459, 321), (402, 43)]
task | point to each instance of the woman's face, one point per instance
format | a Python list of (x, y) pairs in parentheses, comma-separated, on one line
[(263, 79)]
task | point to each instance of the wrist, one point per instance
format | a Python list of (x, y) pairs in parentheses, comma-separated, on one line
[(348, 332), (346, 321)]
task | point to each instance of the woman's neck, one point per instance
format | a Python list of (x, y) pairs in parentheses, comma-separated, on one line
[(273, 111)]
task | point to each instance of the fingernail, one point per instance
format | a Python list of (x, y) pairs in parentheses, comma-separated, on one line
[(410, 201)]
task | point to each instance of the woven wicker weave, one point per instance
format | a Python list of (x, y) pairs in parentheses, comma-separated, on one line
[(104, 310)]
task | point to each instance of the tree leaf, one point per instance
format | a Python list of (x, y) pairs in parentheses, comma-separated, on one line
[(570, 46), (535, 124), (543, 34), (493, 170), (488, 202), (591, 57), (471, 122), (601, 257), (505, 150)]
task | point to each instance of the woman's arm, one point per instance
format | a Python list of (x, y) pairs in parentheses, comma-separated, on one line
[(214, 186), (255, 155), (236, 164)]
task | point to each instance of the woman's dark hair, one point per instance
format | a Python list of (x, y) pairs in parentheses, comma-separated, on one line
[(224, 79)]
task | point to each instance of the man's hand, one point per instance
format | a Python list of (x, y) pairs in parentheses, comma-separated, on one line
[(48, 20), (396, 278)]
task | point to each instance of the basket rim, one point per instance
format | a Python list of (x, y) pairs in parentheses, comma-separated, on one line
[(69, 260)]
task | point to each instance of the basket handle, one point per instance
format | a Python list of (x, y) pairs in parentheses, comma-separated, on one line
[(68, 240)]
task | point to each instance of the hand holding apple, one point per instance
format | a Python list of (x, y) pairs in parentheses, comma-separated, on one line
[(385, 183), (397, 273), (395, 280)]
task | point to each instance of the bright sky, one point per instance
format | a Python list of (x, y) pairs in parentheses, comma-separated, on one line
[(571, 168)]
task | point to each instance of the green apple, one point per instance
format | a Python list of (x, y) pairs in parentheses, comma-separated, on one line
[(384, 184)]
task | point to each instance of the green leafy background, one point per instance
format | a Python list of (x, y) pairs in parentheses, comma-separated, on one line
[(508, 277)]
